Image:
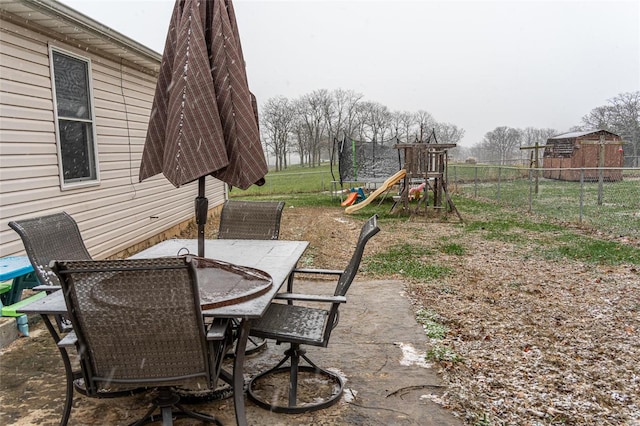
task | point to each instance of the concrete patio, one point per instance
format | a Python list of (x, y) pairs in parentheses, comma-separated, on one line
[(378, 347)]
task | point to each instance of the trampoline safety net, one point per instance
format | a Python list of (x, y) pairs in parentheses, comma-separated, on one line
[(367, 161)]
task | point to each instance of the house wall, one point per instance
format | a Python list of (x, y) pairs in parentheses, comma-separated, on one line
[(117, 213)]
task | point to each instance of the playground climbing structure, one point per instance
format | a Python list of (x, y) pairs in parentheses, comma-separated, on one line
[(425, 163), (384, 188)]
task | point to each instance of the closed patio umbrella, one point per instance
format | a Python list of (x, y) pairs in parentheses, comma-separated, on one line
[(204, 119)]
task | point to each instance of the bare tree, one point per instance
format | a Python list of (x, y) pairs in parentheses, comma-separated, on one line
[(530, 136), (409, 126), (598, 118), (425, 123), (301, 136), (316, 118), (339, 116), (374, 121), (621, 116), (344, 112), (276, 119), (501, 144), (395, 123), (361, 118), (448, 133), (379, 122), (311, 112), (546, 134)]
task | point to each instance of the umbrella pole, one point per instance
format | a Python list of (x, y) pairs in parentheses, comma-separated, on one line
[(202, 210)]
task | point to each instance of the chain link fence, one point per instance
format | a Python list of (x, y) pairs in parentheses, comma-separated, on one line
[(591, 198)]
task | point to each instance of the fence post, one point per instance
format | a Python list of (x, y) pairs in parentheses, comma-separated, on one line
[(475, 182), (600, 185), (531, 189), (581, 193), (499, 173), (600, 168), (537, 171)]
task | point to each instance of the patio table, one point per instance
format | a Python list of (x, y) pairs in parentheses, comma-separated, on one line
[(18, 269), (16, 275), (275, 257)]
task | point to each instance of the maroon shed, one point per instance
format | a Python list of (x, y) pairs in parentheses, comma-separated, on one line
[(566, 154)]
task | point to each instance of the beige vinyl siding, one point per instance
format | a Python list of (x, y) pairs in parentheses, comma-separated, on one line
[(120, 211)]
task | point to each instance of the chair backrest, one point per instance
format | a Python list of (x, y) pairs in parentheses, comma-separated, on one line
[(138, 321), (48, 238), (250, 220), (369, 229)]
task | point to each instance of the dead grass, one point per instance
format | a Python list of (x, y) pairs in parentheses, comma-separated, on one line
[(543, 342)]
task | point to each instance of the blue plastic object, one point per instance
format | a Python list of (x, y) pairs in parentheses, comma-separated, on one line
[(14, 266), (17, 270)]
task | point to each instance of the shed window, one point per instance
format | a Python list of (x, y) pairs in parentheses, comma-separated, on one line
[(75, 125)]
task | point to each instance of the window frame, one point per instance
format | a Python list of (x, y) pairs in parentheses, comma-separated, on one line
[(93, 159)]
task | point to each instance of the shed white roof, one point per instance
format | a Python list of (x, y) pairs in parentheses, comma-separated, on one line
[(570, 135)]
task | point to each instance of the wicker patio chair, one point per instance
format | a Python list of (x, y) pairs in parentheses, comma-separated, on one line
[(167, 345), (250, 220), (48, 238), (297, 325)]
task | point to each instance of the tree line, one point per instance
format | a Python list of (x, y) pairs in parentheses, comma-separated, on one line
[(308, 125), (502, 145), (621, 115)]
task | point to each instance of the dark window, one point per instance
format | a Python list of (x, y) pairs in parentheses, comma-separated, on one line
[(75, 118)]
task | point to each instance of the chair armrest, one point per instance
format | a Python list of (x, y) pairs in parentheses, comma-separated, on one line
[(47, 288), (311, 297), (310, 271), (218, 330), (318, 271), (69, 340)]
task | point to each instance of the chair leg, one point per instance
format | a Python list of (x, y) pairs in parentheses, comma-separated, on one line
[(293, 377), (294, 354), (167, 416), (170, 408), (68, 370), (254, 344)]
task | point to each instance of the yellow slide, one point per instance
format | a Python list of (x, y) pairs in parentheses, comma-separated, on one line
[(385, 186)]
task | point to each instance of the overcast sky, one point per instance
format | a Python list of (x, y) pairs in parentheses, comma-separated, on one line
[(476, 64)]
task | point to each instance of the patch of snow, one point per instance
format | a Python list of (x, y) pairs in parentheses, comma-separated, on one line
[(433, 398), (339, 373), (349, 395), (410, 356)]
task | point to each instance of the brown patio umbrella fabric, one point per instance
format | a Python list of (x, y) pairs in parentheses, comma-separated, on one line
[(204, 119)]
